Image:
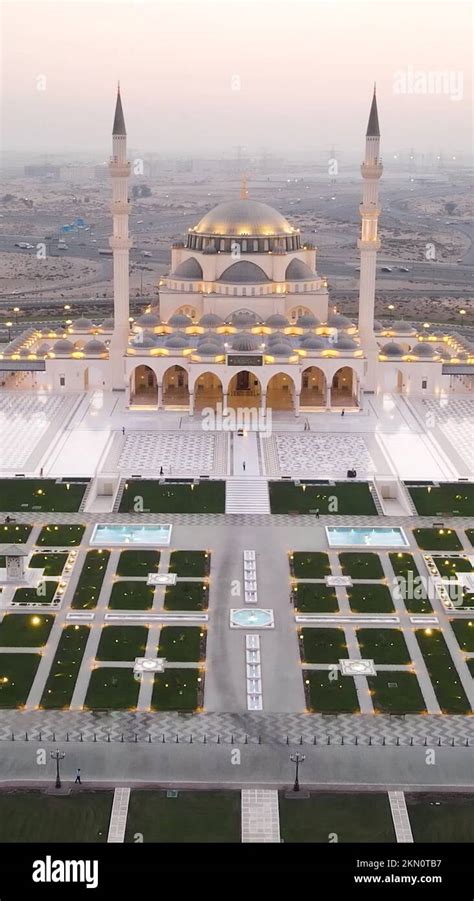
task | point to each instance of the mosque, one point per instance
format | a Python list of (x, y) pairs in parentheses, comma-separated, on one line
[(242, 319)]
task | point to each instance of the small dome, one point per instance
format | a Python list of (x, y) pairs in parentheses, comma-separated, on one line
[(423, 350), (210, 337), (148, 319), (63, 346), (281, 350), (189, 268), (25, 351), (82, 325), (276, 320), (245, 341), (307, 320), (43, 349), (176, 341), (313, 342), (210, 320), (276, 338), (378, 327), (179, 320), (243, 319), (402, 327), (45, 332), (443, 351), (107, 325), (208, 349), (339, 321), (144, 339), (345, 343), (95, 347), (392, 350), (299, 271)]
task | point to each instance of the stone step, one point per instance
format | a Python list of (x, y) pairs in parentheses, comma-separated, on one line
[(247, 496)]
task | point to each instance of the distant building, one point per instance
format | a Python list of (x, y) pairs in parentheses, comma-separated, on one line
[(42, 171)]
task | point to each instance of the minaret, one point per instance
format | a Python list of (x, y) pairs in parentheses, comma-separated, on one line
[(244, 191), (369, 243), (119, 169)]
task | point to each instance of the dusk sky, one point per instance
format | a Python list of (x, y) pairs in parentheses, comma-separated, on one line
[(203, 77)]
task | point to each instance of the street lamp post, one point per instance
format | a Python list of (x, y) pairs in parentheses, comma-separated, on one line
[(297, 759), (57, 756)]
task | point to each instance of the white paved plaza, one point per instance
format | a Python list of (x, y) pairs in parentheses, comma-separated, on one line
[(82, 435)]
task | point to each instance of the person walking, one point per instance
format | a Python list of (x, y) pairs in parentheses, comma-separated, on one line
[(161, 471), (123, 430), (243, 465), (317, 513), (77, 780), (343, 412)]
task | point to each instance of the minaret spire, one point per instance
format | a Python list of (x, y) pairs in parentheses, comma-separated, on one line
[(119, 169), (369, 244)]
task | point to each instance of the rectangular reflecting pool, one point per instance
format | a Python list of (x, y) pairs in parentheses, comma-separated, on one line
[(365, 537), (110, 534)]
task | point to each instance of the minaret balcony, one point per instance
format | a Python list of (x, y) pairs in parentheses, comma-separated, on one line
[(120, 207), (120, 242), (119, 168), (372, 170), (373, 244)]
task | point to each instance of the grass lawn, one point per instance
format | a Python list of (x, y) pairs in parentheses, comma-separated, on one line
[(17, 672), (43, 594), (441, 818), (322, 645), (470, 666), (13, 533), (53, 564), (357, 818), (190, 563), (470, 535), (177, 689), (186, 596), (407, 583), (122, 642), (130, 595), (61, 681), (25, 630), (194, 816), (182, 644), (361, 566), (370, 598), (112, 689), (90, 581), (45, 495), (37, 816), (442, 672), (309, 565), (138, 563), (324, 695), (450, 499), (174, 497), (396, 693), (341, 498), (383, 645), (449, 566), (315, 599), (463, 630), (60, 536), (437, 539)]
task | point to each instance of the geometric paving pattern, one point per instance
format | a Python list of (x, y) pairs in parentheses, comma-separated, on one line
[(24, 419), (174, 451), (324, 455), (260, 817), (456, 421)]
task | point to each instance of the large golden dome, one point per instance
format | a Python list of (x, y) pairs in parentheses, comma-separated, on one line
[(242, 218)]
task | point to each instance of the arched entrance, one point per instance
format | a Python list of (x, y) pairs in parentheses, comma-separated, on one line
[(280, 392), (244, 390), (344, 388), (313, 387), (175, 387), (143, 386), (207, 391), (93, 377)]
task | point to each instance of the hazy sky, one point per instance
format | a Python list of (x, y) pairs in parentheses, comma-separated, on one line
[(201, 76)]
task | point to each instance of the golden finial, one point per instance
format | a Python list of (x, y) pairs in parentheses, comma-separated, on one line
[(244, 191)]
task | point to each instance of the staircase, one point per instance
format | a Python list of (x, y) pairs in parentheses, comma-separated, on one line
[(247, 496)]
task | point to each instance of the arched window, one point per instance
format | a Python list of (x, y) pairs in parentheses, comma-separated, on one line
[(244, 245), (255, 245), (266, 244)]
